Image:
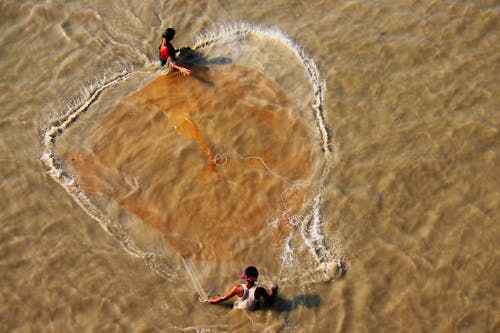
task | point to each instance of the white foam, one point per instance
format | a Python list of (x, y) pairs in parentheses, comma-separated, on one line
[(312, 233)]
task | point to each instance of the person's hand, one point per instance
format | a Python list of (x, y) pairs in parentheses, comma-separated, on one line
[(184, 71), (205, 298)]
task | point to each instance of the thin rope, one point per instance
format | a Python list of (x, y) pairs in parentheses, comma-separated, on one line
[(265, 165), (194, 277)]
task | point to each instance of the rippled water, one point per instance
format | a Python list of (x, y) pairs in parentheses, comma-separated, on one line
[(308, 132)]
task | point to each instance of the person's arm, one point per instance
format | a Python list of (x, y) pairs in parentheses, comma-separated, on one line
[(268, 296), (183, 70), (233, 291)]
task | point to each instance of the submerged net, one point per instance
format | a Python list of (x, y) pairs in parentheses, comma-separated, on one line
[(223, 166)]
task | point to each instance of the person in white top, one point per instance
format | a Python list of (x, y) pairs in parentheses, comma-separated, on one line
[(249, 294)]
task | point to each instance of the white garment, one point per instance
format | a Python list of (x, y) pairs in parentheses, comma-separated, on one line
[(247, 301)]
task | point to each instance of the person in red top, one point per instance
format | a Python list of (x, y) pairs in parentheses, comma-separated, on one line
[(166, 52)]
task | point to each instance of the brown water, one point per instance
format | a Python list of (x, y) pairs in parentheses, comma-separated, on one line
[(173, 184)]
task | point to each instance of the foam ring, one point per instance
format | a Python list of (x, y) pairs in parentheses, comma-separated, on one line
[(227, 34)]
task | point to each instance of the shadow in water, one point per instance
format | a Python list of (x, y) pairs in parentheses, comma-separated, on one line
[(189, 56), (197, 62), (285, 305), (288, 305), (220, 61), (202, 79)]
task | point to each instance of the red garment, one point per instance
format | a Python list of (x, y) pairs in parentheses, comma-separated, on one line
[(166, 52)]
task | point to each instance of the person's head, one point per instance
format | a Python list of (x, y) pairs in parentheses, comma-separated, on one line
[(169, 34), (250, 274)]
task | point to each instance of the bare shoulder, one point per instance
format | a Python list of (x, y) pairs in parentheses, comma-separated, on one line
[(238, 289)]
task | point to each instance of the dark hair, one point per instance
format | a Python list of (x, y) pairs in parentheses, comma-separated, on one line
[(251, 271), (169, 34)]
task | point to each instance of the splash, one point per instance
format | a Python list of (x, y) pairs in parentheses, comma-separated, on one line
[(310, 224)]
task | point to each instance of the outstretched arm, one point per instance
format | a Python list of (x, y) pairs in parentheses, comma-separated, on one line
[(233, 291), (183, 70)]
